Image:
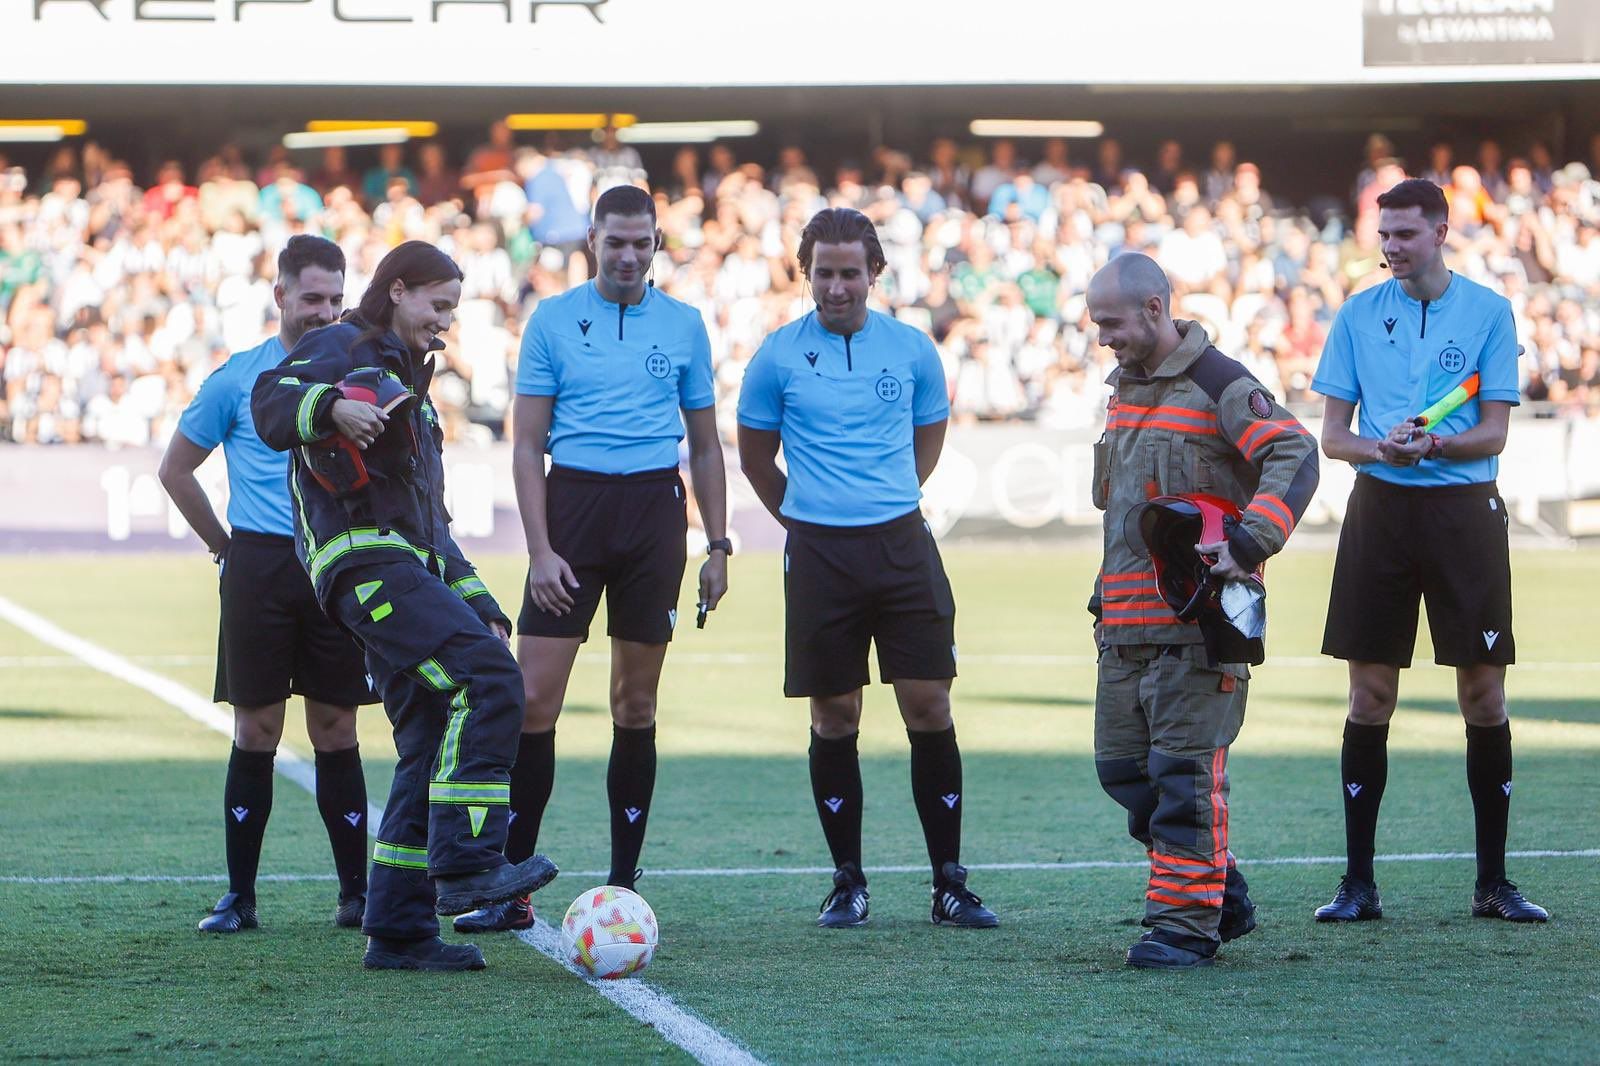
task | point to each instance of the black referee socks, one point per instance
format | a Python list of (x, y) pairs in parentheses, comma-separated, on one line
[(1489, 781), (836, 787), (936, 788), (630, 782), (532, 777), (1363, 772), (247, 803), (342, 801)]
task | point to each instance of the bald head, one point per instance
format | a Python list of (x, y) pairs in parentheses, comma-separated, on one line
[(1130, 303), (1132, 278)]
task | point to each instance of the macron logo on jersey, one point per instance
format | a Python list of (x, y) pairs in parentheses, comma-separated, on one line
[(584, 324), (811, 357)]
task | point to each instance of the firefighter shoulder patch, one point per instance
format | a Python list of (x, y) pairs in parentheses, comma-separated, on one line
[(1260, 403)]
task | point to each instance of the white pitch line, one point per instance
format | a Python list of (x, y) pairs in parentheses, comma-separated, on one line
[(184, 699), (702, 1041), (38, 662), (796, 871), (643, 1002), (602, 658)]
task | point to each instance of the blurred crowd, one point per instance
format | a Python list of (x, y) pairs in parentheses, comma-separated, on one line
[(120, 292)]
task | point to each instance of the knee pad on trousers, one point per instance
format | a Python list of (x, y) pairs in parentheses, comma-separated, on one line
[(1177, 814), (1124, 780)]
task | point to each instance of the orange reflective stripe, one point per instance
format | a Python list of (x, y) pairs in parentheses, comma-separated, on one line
[(1140, 575), (1273, 503), (1196, 888), (1272, 516), (1179, 901), (1143, 620), (1135, 605), (1212, 877), (1274, 519), (1162, 423), (1261, 432), (1219, 807), (1169, 409), (1174, 860)]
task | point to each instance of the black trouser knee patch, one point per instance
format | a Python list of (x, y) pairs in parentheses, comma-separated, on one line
[(1124, 780), (1176, 816)]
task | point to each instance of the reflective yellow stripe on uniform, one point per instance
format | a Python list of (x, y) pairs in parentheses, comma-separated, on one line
[(434, 675), (450, 746), (469, 587), (468, 792), (388, 854), (358, 540), (308, 407)]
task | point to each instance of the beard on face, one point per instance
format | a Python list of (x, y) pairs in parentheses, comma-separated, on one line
[(299, 327)]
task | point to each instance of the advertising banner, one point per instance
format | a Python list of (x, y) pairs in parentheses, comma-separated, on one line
[(1463, 32), (1001, 481)]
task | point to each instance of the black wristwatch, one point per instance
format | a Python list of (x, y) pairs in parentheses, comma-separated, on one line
[(722, 544)]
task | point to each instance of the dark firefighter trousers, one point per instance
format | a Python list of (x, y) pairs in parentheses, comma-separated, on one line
[(453, 694)]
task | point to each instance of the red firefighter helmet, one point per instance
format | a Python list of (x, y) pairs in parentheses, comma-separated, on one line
[(337, 463), (1169, 529)]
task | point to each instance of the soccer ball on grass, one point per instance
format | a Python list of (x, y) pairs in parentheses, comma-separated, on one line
[(609, 932)]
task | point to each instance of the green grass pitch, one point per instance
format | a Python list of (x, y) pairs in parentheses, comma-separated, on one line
[(98, 778)]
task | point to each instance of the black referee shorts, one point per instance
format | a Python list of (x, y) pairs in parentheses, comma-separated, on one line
[(846, 587), (624, 535), (1447, 545), (274, 639)]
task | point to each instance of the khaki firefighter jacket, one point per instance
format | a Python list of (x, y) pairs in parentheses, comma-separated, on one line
[(1199, 423)]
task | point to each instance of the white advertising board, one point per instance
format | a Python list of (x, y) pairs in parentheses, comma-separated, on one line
[(711, 43)]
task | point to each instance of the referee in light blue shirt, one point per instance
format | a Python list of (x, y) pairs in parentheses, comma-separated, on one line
[(612, 375), (274, 639), (1425, 521), (857, 403)]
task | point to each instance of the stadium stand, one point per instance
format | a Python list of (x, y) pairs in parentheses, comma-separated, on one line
[(117, 297)]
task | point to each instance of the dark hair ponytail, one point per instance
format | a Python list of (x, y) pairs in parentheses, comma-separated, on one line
[(415, 264)]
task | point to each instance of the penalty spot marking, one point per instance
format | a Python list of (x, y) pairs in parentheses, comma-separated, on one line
[(643, 1002)]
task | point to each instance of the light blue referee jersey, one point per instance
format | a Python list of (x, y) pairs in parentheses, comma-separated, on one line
[(619, 374), (845, 407), (1392, 356), (258, 477)]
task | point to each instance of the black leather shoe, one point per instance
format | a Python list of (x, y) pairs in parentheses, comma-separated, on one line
[(1151, 952), (230, 915), (497, 917), (468, 892), (1238, 913), (352, 911), (1502, 900), (846, 905), (1356, 901), (953, 904), (429, 954)]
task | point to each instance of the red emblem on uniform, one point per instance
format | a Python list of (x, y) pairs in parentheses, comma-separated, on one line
[(1260, 403)]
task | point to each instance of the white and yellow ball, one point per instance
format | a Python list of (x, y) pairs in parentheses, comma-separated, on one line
[(609, 932)]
